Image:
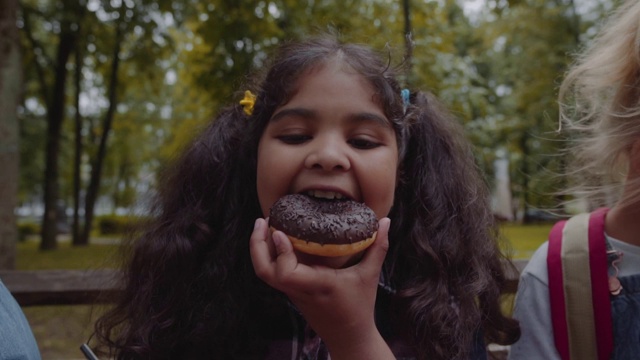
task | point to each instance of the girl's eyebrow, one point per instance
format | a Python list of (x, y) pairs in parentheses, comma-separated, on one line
[(370, 117), (310, 114), (294, 112)]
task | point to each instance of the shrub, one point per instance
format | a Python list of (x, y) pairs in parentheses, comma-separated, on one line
[(27, 229), (116, 225)]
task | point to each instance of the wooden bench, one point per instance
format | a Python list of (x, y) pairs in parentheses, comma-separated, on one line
[(61, 287), (77, 287)]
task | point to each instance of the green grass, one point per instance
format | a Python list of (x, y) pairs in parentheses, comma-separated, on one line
[(60, 330), (523, 240), (28, 256)]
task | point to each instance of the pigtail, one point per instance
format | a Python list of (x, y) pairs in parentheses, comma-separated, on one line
[(177, 280), (446, 260)]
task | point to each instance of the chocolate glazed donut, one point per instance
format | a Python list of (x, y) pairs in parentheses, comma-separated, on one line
[(324, 227)]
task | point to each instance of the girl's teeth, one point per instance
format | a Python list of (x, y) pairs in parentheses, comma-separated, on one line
[(325, 194)]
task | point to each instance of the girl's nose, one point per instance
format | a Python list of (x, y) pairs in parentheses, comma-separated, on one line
[(328, 155)]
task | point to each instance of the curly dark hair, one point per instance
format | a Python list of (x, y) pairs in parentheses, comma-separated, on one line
[(189, 284)]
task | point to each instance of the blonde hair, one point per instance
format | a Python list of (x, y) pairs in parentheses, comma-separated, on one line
[(600, 104)]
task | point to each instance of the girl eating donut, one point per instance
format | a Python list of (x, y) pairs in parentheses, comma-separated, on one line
[(330, 123)]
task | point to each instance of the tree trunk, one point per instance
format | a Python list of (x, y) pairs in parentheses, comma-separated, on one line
[(408, 40), (96, 170), (55, 118), (75, 225), (10, 90), (524, 147)]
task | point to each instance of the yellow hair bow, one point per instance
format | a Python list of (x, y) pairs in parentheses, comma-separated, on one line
[(248, 102)]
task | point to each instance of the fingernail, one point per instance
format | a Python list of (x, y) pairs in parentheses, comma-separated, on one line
[(256, 224)]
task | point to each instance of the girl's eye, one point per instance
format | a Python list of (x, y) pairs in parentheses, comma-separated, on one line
[(363, 144), (294, 139)]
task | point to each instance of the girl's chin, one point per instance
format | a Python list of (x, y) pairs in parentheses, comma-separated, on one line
[(335, 262)]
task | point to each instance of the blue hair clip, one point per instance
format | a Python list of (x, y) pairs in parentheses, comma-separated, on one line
[(405, 99)]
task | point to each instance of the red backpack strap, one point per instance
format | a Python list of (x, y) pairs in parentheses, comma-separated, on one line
[(578, 288), (600, 284), (556, 291)]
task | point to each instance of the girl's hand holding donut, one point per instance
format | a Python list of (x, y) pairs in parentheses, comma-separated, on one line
[(337, 303)]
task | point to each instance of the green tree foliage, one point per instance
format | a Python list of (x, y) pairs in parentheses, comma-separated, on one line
[(526, 48)]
